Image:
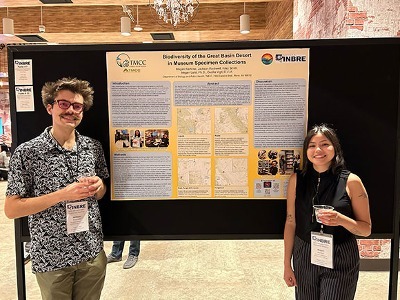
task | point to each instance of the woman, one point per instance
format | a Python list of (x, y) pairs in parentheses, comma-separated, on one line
[(4, 161), (282, 164), (4, 156), (164, 140), (136, 141), (324, 180)]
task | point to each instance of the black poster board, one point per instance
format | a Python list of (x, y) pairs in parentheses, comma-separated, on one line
[(354, 85)]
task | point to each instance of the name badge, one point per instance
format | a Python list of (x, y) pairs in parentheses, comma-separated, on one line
[(322, 249), (77, 217)]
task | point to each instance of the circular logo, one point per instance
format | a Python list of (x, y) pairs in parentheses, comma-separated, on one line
[(123, 60), (267, 59)]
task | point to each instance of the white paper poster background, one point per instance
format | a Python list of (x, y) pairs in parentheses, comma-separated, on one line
[(24, 98), (23, 71)]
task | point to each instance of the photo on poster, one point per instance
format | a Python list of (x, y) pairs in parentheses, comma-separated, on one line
[(137, 139), (157, 138), (267, 163), (289, 161), (262, 154), (121, 138)]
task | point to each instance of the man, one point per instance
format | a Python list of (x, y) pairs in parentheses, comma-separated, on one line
[(56, 179), (273, 169), (133, 255)]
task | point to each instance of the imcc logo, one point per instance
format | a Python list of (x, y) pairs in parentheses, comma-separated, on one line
[(290, 58), (124, 61)]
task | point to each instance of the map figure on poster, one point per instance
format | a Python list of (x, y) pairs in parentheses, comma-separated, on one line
[(231, 172), (194, 121), (194, 171), (231, 120)]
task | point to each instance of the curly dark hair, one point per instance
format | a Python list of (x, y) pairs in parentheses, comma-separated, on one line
[(338, 163), (77, 86)]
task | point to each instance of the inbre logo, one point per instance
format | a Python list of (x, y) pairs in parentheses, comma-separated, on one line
[(290, 58), (75, 206)]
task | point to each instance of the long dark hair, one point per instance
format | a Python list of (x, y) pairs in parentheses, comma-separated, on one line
[(338, 163)]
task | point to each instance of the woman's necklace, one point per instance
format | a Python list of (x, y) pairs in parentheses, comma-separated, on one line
[(315, 196), (316, 199)]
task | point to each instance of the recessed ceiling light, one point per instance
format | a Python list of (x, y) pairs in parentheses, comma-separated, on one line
[(32, 38), (55, 1), (162, 36)]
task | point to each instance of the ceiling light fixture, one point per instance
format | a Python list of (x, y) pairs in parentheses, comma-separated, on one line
[(175, 11), (126, 21), (125, 26), (8, 26), (244, 21), (137, 26), (42, 28)]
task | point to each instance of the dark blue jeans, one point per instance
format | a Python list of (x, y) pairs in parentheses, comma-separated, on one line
[(118, 247)]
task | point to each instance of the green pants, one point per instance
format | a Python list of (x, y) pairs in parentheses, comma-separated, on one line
[(82, 281)]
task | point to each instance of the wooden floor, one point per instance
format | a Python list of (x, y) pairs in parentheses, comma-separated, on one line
[(179, 270)]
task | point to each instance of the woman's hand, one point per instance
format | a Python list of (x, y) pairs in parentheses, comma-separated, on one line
[(289, 277), (329, 217)]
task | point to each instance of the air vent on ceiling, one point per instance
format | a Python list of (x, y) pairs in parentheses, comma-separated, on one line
[(32, 38), (55, 1), (162, 36)]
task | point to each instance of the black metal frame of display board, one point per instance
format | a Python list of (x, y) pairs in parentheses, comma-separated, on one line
[(354, 84)]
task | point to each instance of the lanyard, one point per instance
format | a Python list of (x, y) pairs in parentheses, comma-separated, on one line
[(313, 198), (72, 169)]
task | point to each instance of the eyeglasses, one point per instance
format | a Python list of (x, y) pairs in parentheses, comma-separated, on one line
[(64, 104)]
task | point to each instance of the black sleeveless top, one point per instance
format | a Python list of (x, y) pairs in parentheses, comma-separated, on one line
[(331, 191)]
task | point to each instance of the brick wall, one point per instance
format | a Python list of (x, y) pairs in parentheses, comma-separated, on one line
[(318, 19), (377, 248), (373, 18), (356, 19), (345, 18)]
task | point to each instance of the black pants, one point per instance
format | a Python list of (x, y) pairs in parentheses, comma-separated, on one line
[(320, 283)]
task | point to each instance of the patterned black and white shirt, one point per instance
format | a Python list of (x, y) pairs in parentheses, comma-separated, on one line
[(41, 166)]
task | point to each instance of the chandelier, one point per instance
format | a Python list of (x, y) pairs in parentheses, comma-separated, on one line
[(175, 11)]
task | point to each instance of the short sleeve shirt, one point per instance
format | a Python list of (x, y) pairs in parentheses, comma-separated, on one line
[(41, 166)]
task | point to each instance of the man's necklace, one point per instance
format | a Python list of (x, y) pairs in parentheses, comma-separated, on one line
[(67, 158)]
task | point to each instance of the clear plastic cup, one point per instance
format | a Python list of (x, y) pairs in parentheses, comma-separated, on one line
[(318, 208), (84, 178)]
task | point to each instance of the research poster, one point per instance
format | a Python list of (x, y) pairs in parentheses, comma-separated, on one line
[(209, 124)]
